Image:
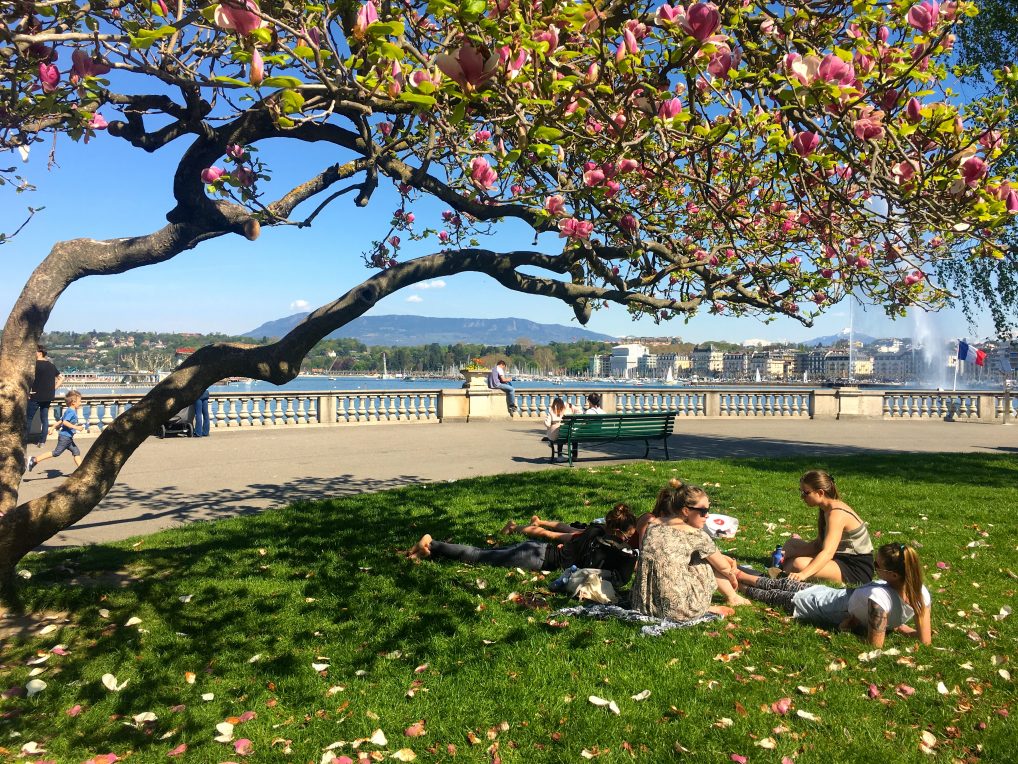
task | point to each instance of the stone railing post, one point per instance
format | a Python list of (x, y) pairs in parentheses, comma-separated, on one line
[(823, 404), (608, 403), (326, 409), (711, 403), (987, 407), (453, 405), (854, 403)]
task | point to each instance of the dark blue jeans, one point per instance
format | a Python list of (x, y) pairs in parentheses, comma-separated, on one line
[(43, 408), (528, 555), (201, 417)]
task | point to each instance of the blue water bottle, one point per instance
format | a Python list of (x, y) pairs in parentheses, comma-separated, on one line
[(559, 583), (778, 557)]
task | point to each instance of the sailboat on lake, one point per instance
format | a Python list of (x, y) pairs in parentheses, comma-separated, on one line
[(670, 377)]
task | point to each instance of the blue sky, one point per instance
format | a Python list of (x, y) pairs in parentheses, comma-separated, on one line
[(108, 189)]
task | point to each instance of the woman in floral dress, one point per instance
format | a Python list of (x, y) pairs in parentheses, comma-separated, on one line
[(675, 576)]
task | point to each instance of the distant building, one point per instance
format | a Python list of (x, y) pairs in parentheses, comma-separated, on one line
[(707, 361), (601, 365), (625, 360), (735, 365)]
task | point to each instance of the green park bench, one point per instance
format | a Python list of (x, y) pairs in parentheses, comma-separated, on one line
[(606, 428)]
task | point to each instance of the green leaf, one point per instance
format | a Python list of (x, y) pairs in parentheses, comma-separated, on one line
[(474, 9), (146, 38), (458, 113), (263, 35), (385, 29), (418, 98), (281, 81), (230, 80), (303, 51), (391, 50), (547, 134), (291, 102)]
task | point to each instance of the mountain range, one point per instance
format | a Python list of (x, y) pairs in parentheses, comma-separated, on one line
[(423, 330), (830, 340)]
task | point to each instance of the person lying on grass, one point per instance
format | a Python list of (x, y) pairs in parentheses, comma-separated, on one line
[(842, 552), (875, 607), (680, 565), (606, 547), (559, 531)]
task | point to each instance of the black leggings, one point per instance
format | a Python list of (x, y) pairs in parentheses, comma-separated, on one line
[(777, 592), (528, 555)]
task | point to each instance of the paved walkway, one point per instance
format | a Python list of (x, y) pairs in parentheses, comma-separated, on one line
[(178, 480)]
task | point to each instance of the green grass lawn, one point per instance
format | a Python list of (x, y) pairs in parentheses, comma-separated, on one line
[(245, 612)]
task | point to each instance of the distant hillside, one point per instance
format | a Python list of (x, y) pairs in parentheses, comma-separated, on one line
[(842, 336), (422, 330)]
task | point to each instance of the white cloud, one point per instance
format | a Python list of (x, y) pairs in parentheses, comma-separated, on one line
[(300, 305), (415, 298), (436, 284)]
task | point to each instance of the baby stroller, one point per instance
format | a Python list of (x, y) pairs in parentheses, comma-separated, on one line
[(181, 423)]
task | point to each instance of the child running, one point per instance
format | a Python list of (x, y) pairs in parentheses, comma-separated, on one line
[(67, 425), (876, 607)]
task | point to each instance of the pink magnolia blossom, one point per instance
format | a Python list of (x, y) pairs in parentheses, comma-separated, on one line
[(991, 140), (924, 16), (667, 15), (550, 36), (443, 236), (394, 241), (629, 223), (781, 706), (613, 187), (914, 111), (212, 174), (701, 21), (367, 15), (395, 87), (1011, 203), (670, 109), (832, 69), (883, 34), (914, 278), (49, 76), (820, 297), (481, 136), (241, 16), (82, 65), (864, 63), (243, 747), (98, 122), (482, 173), (904, 171), (972, 170), (555, 205), (724, 60), (420, 76), (385, 128), (628, 165), (257, 71), (592, 75), (235, 151), (467, 66), (593, 177), (575, 229), (513, 64), (869, 127), (245, 176), (803, 69), (805, 143)]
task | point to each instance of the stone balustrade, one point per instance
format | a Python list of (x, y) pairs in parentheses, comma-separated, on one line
[(239, 411)]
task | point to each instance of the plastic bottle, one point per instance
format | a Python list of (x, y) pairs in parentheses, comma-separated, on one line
[(559, 583), (778, 557)]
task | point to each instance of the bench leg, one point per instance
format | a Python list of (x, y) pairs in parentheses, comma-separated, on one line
[(665, 439)]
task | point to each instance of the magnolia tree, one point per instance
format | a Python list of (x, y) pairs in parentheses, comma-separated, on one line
[(735, 157)]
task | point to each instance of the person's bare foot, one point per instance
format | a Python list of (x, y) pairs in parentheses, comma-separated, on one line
[(535, 520), (739, 601), (421, 549), (509, 528)]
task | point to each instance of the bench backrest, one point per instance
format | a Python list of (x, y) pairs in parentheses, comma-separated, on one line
[(649, 425)]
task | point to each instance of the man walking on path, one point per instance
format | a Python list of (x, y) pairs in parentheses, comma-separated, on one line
[(499, 380), (44, 390), (201, 415)]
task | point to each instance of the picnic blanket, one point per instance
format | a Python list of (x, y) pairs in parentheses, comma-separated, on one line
[(654, 627)]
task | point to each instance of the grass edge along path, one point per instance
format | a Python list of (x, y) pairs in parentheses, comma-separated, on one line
[(284, 633)]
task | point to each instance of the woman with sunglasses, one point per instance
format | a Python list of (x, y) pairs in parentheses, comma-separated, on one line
[(842, 552), (607, 546), (680, 566), (874, 608)]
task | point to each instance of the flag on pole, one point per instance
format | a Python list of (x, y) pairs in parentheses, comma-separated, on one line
[(967, 352)]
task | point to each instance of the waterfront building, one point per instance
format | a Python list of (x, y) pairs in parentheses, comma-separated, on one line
[(735, 365), (836, 365), (625, 359), (894, 367), (601, 365), (707, 361), (769, 365)]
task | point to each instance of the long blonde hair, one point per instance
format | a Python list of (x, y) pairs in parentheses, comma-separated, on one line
[(904, 560)]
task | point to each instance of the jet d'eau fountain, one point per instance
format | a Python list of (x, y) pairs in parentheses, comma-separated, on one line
[(929, 349)]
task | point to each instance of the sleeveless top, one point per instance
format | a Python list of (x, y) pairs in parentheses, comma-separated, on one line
[(852, 542)]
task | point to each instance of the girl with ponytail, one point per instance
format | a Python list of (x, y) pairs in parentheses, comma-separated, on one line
[(874, 608)]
